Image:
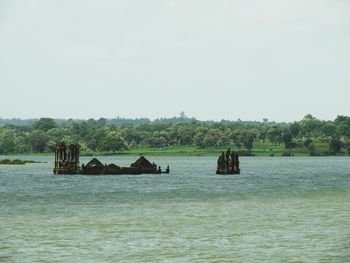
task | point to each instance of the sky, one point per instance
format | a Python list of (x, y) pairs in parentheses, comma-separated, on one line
[(212, 59)]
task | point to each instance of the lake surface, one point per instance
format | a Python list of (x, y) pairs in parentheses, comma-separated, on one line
[(277, 210)]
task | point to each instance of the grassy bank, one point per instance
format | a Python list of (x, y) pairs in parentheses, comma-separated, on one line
[(258, 150), (278, 150)]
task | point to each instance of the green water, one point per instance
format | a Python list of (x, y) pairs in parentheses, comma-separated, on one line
[(278, 210)]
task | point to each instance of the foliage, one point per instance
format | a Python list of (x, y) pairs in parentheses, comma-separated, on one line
[(335, 145), (113, 142), (37, 140), (308, 135), (44, 124)]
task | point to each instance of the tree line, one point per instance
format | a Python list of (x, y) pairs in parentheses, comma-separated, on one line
[(317, 137)]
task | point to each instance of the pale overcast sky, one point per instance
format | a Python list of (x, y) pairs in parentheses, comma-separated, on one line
[(217, 59)]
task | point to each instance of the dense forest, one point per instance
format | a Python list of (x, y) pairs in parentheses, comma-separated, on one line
[(309, 135)]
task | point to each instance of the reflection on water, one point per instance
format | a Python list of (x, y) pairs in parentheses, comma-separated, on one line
[(277, 209)]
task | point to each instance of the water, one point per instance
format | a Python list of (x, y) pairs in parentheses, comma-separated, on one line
[(278, 210)]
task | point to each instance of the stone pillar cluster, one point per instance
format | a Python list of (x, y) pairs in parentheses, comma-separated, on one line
[(67, 159), (228, 163)]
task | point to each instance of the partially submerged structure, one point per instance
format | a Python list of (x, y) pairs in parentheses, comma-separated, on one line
[(67, 162), (228, 163), (67, 159)]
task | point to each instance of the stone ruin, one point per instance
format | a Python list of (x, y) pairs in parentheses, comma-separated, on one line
[(67, 159), (228, 163), (67, 162)]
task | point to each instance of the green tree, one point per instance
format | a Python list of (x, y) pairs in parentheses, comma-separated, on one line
[(44, 124), (329, 129), (7, 141), (343, 125), (212, 137), (287, 138), (113, 142), (307, 142), (185, 133), (199, 136), (20, 144), (274, 134), (310, 126), (37, 140), (94, 139), (248, 138), (335, 145)]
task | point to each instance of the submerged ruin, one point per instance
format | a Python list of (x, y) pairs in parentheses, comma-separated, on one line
[(67, 162), (67, 159), (228, 163)]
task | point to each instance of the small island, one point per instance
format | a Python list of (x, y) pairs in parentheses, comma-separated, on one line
[(17, 161)]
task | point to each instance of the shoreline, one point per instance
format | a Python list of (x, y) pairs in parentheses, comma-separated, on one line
[(196, 153)]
